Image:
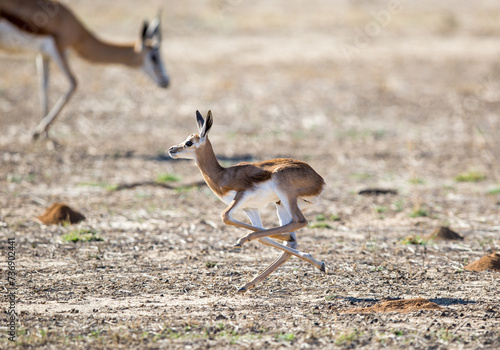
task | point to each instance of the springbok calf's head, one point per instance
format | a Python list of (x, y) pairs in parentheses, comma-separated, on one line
[(150, 47), (188, 148)]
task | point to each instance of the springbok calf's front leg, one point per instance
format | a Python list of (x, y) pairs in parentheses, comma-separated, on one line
[(254, 216), (283, 258)]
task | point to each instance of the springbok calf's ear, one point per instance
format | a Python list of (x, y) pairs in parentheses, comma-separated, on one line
[(199, 120), (207, 125)]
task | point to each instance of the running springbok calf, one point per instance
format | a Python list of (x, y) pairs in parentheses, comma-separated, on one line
[(49, 28), (288, 183)]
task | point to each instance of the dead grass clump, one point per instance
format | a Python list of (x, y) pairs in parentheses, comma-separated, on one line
[(487, 262), (59, 213), (444, 233), (402, 306)]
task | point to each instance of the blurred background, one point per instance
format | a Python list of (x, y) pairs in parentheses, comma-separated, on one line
[(373, 93)]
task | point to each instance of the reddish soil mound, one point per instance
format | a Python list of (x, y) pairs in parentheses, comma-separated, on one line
[(403, 306), (59, 213), (487, 262), (444, 234)]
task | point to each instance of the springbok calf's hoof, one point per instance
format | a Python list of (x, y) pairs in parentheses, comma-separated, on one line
[(242, 290), (241, 241), (37, 135), (323, 268), (238, 246)]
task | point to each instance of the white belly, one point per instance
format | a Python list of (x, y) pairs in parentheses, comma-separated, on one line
[(14, 40), (259, 197)]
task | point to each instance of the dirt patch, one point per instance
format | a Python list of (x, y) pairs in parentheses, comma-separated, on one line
[(444, 233), (487, 262), (403, 306), (59, 213)]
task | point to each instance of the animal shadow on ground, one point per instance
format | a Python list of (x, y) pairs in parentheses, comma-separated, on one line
[(355, 301), (166, 158), (451, 301), (439, 301)]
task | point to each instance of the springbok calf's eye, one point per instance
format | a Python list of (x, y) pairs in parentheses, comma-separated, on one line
[(189, 143)]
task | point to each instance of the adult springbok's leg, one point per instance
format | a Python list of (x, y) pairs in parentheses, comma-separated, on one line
[(50, 49), (254, 216), (42, 67)]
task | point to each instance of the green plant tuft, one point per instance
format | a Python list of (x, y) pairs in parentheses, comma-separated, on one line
[(414, 240), (335, 217), (285, 336), (164, 178), (494, 191), (210, 264), (419, 213), (320, 217), (471, 176), (347, 338), (320, 224), (82, 235), (416, 181)]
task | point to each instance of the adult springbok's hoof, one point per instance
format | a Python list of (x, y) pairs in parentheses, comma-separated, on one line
[(242, 290)]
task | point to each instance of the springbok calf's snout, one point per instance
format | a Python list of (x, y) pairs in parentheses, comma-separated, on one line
[(172, 151)]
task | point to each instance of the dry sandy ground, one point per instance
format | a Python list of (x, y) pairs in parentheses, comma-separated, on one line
[(409, 107)]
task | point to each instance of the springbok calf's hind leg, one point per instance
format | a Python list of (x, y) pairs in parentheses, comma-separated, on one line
[(254, 216)]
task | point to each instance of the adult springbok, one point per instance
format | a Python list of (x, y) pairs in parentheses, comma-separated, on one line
[(288, 183), (49, 28)]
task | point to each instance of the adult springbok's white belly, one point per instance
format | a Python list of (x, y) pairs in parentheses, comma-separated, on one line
[(14, 40)]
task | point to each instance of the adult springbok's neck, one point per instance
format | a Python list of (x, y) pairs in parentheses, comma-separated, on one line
[(95, 50)]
